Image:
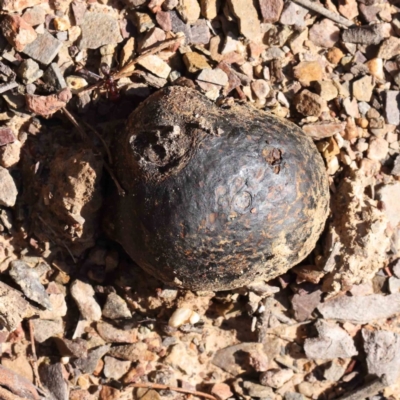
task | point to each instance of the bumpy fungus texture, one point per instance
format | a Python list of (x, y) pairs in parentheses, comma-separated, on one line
[(216, 197)]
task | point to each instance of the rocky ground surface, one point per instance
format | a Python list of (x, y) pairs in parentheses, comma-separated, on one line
[(78, 319)]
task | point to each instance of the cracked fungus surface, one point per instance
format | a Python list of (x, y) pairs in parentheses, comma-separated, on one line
[(217, 197)]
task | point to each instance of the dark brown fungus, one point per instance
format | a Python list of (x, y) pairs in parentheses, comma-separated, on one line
[(216, 197)]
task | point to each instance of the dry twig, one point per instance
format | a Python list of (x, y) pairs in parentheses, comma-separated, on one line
[(325, 12), (368, 390), (173, 388)]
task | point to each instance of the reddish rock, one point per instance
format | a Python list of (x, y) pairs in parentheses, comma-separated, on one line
[(163, 19), (324, 33), (47, 105), (18, 5), (308, 103), (109, 393), (17, 32), (6, 136), (221, 391), (271, 10)]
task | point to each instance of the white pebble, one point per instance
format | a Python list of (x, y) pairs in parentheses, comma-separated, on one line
[(182, 316)]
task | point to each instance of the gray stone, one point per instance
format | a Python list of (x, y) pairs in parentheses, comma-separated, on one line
[(52, 377), (293, 14), (116, 307), (332, 342), (109, 333), (200, 32), (115, 369), (29, 71), (256, 390), (8, 192), (335, 370), (215, 76), (305, 303), (88, 364), (383, 353), (54, 77), (45, 329), (293, 396), (394, 285), (361, 309), (43, 49), (392, 107), (177, 25), (29, 281), (99, 29), (396, 168)]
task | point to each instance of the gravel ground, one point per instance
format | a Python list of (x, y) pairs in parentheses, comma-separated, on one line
[(78, 318)]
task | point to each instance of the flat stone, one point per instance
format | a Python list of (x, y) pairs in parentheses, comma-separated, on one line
[(110, 333), (271, 10), (276, 378), (107, 393), (396, 172), (18, 5), (293, 14), (9, 192), (44, 49), (246, 13), (324, 33), (389, 48), (29, 71), (233, 359), (17, 32), (89, 363), (72, 348), (189, 10), (332, 342), (305, 303), (200, 32), (45, 329), (378, 149), (47, 105), (83, 294), (308, 71), (195, 62), (351, 107), (155, 65), (308, 103), (215, 76), (390, 195), (370, 12), (259, 391), (209, 8), (52, 378), (6, 136), (133, 352), (34, 16), (293, 396), (20, 365), (362, 88), (177, 25), (348, 8), (79, 11), (334, 55), (392, 107), (116, 307), (335, 370), (13, 307), (143, 21), (99, 29), (29, 281), (153, 36), (221, 391), (361, 309), (115, 369), (394, 285), (260, 88), (54, 77), (327, 90), (383, 353)]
